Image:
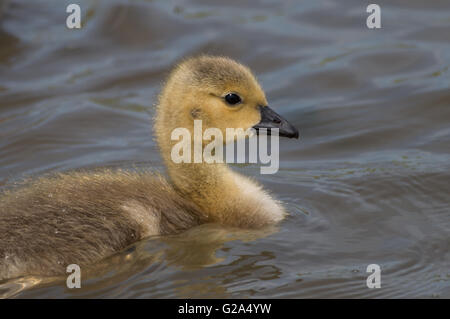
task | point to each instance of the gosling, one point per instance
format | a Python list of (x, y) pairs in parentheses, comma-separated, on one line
[(81, 217)]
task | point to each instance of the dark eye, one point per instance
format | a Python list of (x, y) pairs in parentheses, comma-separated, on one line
[(232, 99)]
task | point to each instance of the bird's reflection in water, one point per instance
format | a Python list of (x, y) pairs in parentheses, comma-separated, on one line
[(197, 247), (187, 252), (15, 286)]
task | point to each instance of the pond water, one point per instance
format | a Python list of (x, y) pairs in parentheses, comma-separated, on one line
[(367, 183)]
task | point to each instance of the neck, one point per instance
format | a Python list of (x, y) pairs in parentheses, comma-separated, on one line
[(225, 196), (201, 182)]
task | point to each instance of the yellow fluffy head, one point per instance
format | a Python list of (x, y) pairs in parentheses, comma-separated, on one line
[(202, 88)]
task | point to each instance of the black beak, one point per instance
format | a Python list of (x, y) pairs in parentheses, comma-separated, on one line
[(270, 119)]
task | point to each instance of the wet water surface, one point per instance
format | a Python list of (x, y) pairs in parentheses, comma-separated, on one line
[(368, 182)]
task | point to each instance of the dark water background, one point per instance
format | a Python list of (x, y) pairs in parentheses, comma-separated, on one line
[(368, 182)]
